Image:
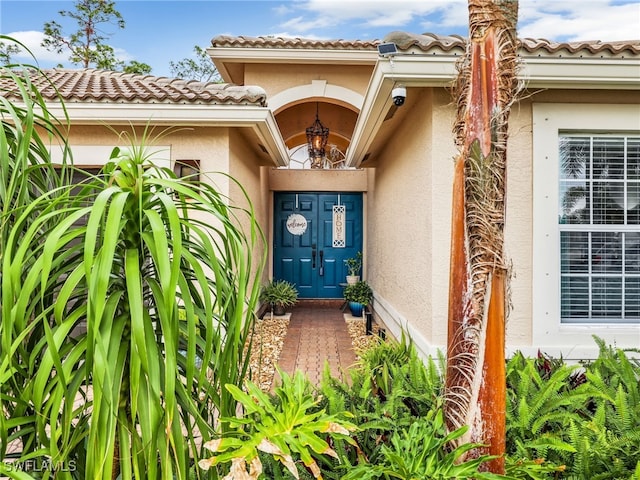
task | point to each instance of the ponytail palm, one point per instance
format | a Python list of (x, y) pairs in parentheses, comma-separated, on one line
[(161, 272), (24, 177)]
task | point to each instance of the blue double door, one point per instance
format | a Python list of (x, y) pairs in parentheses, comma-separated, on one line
[(307, 250)]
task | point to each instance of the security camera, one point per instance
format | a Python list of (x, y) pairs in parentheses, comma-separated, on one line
[(398, 95)]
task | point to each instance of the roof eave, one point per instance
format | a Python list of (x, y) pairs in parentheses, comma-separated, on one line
[(223, 57), (431, 70), (581, 73), (409, 70), (259, 119)]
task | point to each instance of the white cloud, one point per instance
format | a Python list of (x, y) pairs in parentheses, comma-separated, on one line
[(571, 21), (605, 20), (374, 13), (282, 9), (122, 54), (32, 40), (301, 24)]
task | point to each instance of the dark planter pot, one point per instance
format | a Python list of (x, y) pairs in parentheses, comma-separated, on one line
[(356, 309), (278, 310)]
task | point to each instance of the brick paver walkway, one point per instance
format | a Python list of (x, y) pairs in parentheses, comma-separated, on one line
[(317, 333)]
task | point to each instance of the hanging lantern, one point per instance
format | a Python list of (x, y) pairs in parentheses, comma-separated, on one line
[(317, 136)]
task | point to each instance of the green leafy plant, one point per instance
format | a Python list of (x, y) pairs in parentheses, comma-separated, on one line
[(541, 403), (354, 264), (387, 390), (123, 395), (583, 419), (537, 469), (606, 439), (359, 292), (424, 450), (279, 293), (288, 427)]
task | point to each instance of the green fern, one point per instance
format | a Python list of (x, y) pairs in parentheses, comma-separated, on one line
[(541, 405), (423, 451), (586, 418), (390, 387), (608, 439)]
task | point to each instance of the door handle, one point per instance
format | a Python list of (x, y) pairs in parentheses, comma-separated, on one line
[(313, 256), (321, 263)]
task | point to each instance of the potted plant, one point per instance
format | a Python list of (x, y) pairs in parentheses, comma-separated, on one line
[(279, 294), (359, 295), (354, 264)]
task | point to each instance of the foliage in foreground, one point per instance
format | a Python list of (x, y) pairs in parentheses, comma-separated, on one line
[(564, 422), (286, 425), (126, 303), (586, 417)]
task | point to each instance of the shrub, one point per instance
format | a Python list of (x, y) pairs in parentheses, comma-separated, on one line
[(146, 251), (586, 418), (289, 427), (279, 292), (359, 292)]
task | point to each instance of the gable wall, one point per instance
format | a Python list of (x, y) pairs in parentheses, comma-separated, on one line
[(277, 78), (207, 144)]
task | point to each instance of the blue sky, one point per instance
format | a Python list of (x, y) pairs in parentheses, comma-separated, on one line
[(158, 32)]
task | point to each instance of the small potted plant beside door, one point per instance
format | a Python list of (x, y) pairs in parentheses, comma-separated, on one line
[(279, 294), (359, 295), (354, 264)]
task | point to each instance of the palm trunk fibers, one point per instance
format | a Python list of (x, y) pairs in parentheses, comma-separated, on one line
[(475, 388)]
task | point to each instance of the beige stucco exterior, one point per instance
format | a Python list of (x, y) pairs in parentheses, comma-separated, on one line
[(283, 77), (404, 158)]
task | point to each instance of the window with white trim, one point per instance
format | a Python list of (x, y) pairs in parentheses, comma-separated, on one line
[(599, 223), (583, 283)]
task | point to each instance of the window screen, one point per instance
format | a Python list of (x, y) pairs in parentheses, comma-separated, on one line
[(599, 217)]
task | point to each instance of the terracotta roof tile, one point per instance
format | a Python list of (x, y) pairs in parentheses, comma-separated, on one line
[(426, 41), (106, 86), (593, 47), (429, 42), (286, 42)]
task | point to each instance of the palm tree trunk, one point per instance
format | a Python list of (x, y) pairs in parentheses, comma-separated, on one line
[(475, 389)]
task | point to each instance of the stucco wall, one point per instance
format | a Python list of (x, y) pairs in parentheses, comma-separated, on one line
[(410, 217), (209, 145), (244, 168), (519, 225), (277, 78), (441, 178), (409, 252), (399, 232)]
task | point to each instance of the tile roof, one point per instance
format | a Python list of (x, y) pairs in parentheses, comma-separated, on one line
[(430, 42), (91, 85), (594, 47), (297, 43)]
